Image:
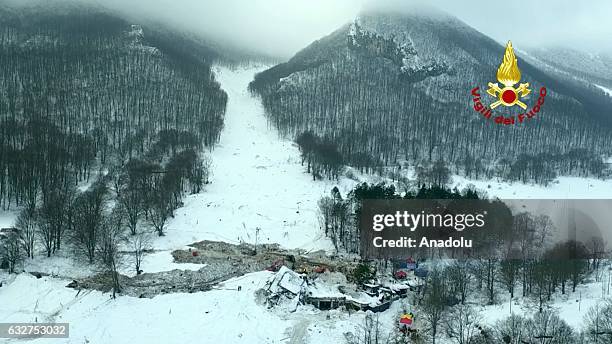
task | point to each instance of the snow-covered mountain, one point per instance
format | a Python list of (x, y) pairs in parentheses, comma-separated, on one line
[(391, 87), (86, 96), (593, 68)]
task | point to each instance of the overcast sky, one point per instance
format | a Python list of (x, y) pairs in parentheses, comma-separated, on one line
[(282, 27)]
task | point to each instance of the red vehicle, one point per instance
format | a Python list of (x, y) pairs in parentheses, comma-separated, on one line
[(276, 265), (320, 269), (401, 274)]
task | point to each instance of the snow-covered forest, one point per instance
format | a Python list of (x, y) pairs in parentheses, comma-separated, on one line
[(356, 88), (160, 186), (89, 102)]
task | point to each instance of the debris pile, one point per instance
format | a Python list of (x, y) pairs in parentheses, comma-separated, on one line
[(285, 289), (152, 284), (330, 290)]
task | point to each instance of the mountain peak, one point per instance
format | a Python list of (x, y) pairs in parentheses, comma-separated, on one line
[(404, 8)]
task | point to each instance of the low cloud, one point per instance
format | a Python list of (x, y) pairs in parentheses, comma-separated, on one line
[(282, 27), (273, 27)]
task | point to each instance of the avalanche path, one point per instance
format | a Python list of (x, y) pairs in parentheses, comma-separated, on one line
[(257, 181)]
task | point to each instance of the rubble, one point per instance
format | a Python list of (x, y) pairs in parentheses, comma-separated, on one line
[(151, 284), (220, 261), (300, 278), (287, 280), (331, 290)]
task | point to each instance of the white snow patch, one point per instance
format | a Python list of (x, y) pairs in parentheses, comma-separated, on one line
[(158, 261), (7, 218), (561, 188), (61, 264), (605, 89)]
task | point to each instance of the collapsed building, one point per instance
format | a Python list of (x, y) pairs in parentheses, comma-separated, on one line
[(331, 290)]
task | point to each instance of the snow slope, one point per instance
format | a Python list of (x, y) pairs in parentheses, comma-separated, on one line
[(257, 182)]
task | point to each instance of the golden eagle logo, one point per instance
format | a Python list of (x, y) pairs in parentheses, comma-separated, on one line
[(508, 74)]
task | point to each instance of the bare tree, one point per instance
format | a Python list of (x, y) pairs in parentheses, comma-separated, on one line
[(598, 323), (206, 165), (438, 174), (544, 228), (334, 217), (548, 328), (434, 304), (26, 226), (512, 330), (541, 278), (54, 216), (596, 247), (369, 333), (326, 207), (109, 256), (462, 325), (139, 243), (509, 273), (577, 262), (131, 203), (523, 229), (490, 269), (461, 279), (88, 221), (11, 250), (159, 207)]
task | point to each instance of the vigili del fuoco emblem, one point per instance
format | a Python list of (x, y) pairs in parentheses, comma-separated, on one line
[(508, 95)]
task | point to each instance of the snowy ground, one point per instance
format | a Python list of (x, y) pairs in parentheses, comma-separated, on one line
[(257, 181), (571, 307), (561, 188), (223, 315)]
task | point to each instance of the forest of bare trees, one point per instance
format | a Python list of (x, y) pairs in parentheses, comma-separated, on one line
[(90, 92), (103, 127)]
